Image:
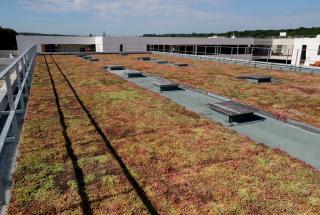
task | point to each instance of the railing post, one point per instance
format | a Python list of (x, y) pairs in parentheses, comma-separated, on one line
[(22, 104), (296, 61), (24, 75), (231, 52), (10, 98), (2, 190), (27, 58), (29, 68), (287, 57)]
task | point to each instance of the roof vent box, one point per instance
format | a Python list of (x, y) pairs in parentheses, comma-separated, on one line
[(235, 112), (181, 64), (134, 74), (162, 62), (144, 58), (167, 85), (257, 78), (87, 57), (115, 67)]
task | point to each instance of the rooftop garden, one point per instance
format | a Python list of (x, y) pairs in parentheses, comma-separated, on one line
[(94, 143), (292, 96)]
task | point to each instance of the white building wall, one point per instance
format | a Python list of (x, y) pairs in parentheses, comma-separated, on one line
[(130, 44), (284, 46), (139, 44), (311, 53), (199, 41), (24, 42), (99, 44)]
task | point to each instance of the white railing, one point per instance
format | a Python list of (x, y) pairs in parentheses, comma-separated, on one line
[(252, 63), (15, 81)]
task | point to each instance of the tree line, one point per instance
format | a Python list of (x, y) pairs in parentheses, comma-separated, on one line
[(248, 33)]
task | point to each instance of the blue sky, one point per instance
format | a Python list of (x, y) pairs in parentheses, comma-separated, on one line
[(136, 17)]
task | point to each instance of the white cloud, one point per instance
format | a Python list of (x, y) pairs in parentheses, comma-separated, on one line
[(124, 9), (135, 17)]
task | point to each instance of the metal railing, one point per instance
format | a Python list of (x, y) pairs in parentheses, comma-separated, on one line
[(252, 63), (15, 81), (284, 54)]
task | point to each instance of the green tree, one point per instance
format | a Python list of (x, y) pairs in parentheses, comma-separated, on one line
[(8, 39)]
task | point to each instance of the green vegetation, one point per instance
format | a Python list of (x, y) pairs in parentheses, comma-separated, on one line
[(249, 33), (293, 96), (184, 163)]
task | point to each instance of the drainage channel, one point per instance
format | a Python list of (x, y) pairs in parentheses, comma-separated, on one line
[(297, 142)]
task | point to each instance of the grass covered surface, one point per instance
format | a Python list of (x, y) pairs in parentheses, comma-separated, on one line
[(293, 96), (184, 163)]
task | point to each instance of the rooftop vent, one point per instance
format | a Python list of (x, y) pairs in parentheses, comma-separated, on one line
[(283, 34), (162, 62), (87, 57), (167, 85), (144, 58), (181, 64), (132, 74), (257, 78), (115, 67), (235, 112)]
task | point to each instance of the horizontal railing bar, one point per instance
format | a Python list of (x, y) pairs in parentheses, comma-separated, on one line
[(8, 112), (12, 65), (10, 139)]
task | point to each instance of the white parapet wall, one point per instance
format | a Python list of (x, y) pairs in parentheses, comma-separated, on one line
[(24, 42)]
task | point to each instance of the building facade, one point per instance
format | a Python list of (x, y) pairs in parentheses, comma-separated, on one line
[(295, 51)]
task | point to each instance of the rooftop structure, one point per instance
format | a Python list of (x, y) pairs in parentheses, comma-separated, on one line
[(294, 51)]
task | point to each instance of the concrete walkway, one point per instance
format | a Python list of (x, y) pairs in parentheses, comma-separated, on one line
[(299, 143)]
